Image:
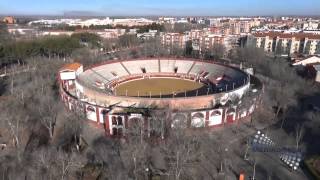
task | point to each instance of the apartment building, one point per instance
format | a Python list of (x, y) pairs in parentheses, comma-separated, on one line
[(174, 39), (195, 34), (311, 25), (281, 43), (207, 42)]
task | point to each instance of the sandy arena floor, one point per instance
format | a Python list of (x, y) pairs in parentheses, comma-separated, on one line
[(166, 86)]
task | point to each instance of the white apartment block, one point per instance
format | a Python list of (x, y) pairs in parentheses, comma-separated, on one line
[(208, 41), (303, 43)]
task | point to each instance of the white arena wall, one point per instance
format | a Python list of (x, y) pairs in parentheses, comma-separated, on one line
[(208, 118)]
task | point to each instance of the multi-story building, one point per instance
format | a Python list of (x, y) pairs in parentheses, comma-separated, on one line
[(174, 39), (234, 27), (208, 41), (239, 27), (281, 43), (89, 22), (311, 25), (195, 34), (170, 20)]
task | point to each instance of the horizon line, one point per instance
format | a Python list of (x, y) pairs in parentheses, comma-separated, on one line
[(155, 15)]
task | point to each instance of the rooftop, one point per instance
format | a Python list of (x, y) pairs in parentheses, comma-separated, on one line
[(71, 67), (287, 35), (308, 61)]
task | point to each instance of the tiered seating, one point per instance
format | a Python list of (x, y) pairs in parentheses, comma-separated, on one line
[(220, 75), (197, 68), (183, 66), (103, 76), (168, 65), (111, 71), (134, 67), (216, 71), (93, 79)]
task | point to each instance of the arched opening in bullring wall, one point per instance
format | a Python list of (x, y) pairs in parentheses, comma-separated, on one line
[(117, 121), (215, 113), (120, 121), (230, 115), (135, 126), (198, 120), (117, 132), (215, 118), (179, 121), (90, 109), (117, 125), (91, 113)]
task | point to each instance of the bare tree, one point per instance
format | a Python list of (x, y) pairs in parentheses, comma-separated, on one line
[(299, 133), (15, 126), (48, 111), (68, 163)]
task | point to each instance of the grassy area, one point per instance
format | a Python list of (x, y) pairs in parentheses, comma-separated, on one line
[(313, 165)]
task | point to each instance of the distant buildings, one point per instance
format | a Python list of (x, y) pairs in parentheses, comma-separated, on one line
[(282, 43), (169, 20), (311, 25), (282, 36), (147, 35), (234, 27), (9, 20), (174, 39), (202, 40), (207, 42), (89, 22)]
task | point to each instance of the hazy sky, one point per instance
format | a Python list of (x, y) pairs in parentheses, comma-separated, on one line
[(161, 7)]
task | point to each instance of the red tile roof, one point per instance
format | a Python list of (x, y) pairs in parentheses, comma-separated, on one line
[(71, 67)]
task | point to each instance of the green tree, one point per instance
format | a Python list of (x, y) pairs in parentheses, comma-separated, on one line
[(93, 39), (128, 40), (4, 34), (189, 48)]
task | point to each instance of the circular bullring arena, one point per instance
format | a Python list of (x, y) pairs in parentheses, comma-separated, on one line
[(198, 93), (157, 87)]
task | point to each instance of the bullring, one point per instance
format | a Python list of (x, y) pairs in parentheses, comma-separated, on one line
[(198, 93)]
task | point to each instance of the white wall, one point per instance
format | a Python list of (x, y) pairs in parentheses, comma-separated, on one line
[(79, 87), (251, 109), (67, 75), (318, 76), (215, 120), (91, 115), (101, 118), (239, 92)]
